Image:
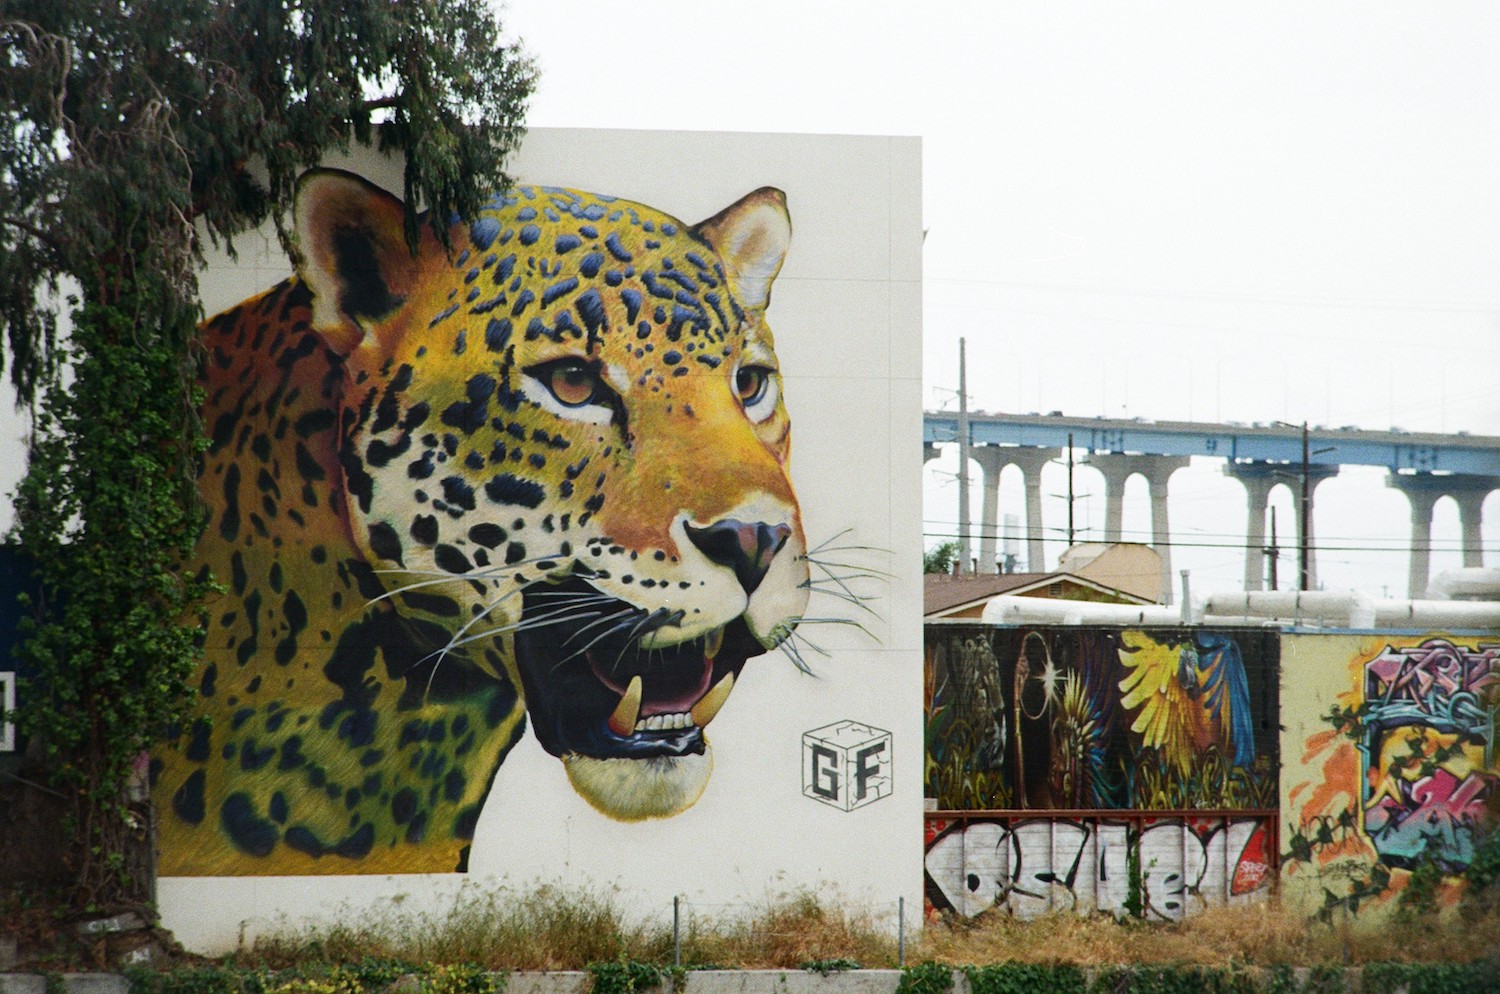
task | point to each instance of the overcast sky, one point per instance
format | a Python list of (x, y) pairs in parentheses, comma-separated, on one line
[(1187, 211), (1184, 210)]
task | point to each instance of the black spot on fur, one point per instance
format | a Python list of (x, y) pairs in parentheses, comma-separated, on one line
[(403, 805), (245, 827), (385, 543), (424, 529), (487, 534), (357, 844), (187, 802), (198, 744), (508, 489), (253, 758), (458, 493), (229, 520), (451, 560), (291, 755), (302, 839)]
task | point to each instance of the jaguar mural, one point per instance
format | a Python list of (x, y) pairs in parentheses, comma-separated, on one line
[(536, 478)]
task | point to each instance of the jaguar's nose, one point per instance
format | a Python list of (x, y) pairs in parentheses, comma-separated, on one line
[(747, 547)]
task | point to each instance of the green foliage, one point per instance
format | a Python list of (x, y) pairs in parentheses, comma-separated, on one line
[(1025, 978), (1483, 874), (623, 976), (1420, 896), (320, 978), (925, 978), (1135, 890), (1431, 978), (128, 133), (107, 513), (940, 558)]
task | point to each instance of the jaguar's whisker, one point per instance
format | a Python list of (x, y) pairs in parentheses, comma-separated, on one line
[(790, 651), (597, 639)]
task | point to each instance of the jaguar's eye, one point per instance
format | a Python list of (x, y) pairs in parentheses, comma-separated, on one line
[(756, 388), (570, 381), (570, 387)]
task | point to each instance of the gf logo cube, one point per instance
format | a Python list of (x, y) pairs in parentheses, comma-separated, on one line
[(846, 764)]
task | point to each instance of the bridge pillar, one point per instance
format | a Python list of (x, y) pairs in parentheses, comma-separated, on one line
[(1259, 479), (991, 462), (992, 459), (1423, 490), (1470, 492), (1117, 468)]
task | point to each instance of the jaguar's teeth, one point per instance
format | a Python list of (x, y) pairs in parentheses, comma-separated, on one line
[(713, 642), (703, 712), (622, 722)]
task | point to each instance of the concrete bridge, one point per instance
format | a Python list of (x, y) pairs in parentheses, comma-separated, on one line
[(1424, 467)]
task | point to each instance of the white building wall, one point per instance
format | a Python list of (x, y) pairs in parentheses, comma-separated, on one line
[(846, 313)]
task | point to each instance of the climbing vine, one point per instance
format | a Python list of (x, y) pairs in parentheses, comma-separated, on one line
[(130, 135)]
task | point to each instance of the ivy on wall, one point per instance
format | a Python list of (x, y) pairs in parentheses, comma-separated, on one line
[(131, 133)]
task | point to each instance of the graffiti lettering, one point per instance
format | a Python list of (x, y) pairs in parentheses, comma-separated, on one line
[(1426, 749), (1035, 866)]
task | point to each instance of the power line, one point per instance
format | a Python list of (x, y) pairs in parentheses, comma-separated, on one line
[(1058, 535)]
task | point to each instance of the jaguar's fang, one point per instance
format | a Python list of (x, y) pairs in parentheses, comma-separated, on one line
[(622, 721), (704, 711)]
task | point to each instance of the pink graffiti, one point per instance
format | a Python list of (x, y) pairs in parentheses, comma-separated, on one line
[(1434, 805), (1436, 665)]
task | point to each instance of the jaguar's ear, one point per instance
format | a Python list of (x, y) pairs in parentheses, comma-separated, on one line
[(354, 255), (751, 236)]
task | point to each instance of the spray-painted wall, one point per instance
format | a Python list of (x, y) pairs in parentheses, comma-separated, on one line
[(1093, 768), (1100, 718), (1389, 766), (1055, 756), (531, 542)]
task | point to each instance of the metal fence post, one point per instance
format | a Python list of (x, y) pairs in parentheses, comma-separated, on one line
[(901, 932)]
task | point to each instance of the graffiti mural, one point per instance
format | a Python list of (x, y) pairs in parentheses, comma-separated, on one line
[(1163, 868), (1101, 718), (536, 477), (1398, 767), (1427, 755)]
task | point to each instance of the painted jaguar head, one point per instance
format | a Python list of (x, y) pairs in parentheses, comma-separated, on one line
[(564, 448)]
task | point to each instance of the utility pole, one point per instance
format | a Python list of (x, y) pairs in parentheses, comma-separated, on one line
[(1304, 508), (1273, 551), (1070, 490), (964, 563)]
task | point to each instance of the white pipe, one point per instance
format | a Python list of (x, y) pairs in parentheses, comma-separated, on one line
[(1473, 583), (1312, 608), (1006, 609), (1342, 608), (1437, 614)]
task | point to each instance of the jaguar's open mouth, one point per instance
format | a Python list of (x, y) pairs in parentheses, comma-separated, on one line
[(591, 689)]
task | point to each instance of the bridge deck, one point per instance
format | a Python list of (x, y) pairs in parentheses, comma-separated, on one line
[(1468, 455)]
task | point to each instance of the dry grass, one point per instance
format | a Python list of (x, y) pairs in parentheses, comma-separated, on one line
[(542, 929), (789, 933), (549, 928), (1257, 934), (552, 929)]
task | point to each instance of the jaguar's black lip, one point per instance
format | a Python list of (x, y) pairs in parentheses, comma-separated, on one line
[(578, 650)]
